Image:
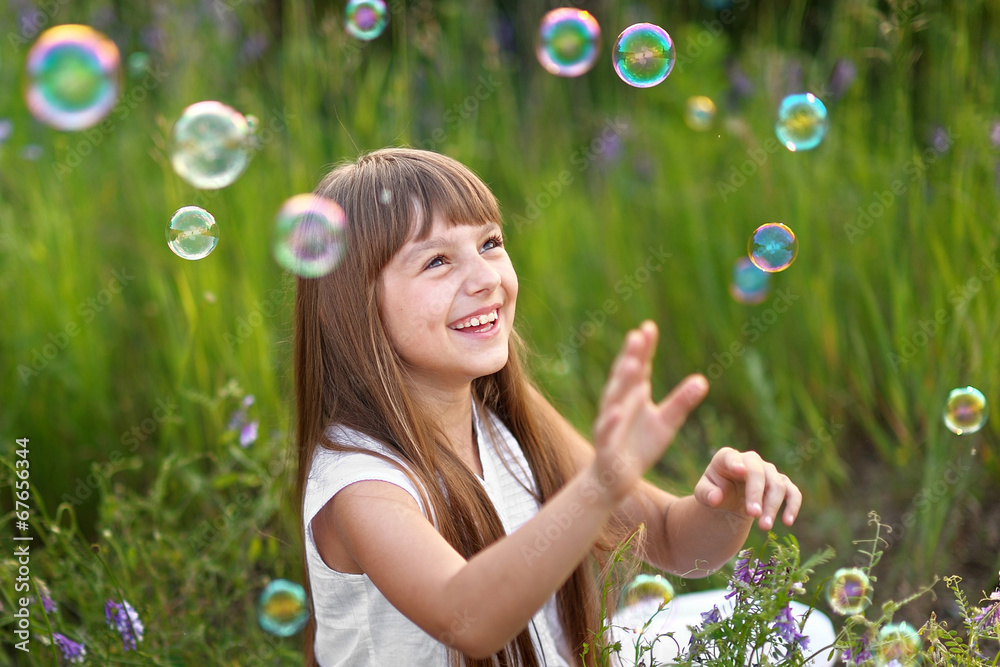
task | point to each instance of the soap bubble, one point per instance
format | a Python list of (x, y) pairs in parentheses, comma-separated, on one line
[(750, 284), (568, 41), (849, 592), (699, 112), (192, 233), (73, 77), (209, 145), (138, 63), (309, 235), (965, 411), (643, 55), (282, 608), (898, 645), (801, 122), (647, 589), (365, 19), (773, 247)]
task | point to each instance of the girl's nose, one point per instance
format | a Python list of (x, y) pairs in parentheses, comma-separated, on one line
[(482, 276)]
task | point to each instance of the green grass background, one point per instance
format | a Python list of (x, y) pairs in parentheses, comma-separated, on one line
[(190, 526)]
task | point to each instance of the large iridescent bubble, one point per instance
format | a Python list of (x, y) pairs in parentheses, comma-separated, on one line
[(73, 77), (209, 145), (965, 411), (772, 247), (309, 235), (898, 645), (192, 233), (643, 55), (365, 19), (568, 41), (802, 122), (282, 608)]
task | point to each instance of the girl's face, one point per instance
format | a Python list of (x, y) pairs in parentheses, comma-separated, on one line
[(448, 303)]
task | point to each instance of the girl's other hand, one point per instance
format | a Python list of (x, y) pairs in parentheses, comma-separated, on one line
[(631, 431), (744, 484)]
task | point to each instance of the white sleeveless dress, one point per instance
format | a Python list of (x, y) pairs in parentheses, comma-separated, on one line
[(356, 626)]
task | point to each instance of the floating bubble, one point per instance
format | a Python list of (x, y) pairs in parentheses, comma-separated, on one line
[(647, 589), (568, 41), (801, 122), (699, 112), (643, 55), (73, 77), (252, 123), (750, 284), (309, 235), (282, 609), (965, 411), (898, 645), (849, 591), (773, 247), (137, 63), (365, 19), (192, 233), (209, 145)]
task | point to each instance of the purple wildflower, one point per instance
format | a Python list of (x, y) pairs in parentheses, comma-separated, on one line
[(49, 604), (709, 617), (859, 655), (125, 620), (843, 75), (786, 626), (248, 434), (988, 617), (742, 569), (72, 651)]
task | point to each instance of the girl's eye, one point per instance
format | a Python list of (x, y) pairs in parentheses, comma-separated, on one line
[(437, 261), (493, 242)]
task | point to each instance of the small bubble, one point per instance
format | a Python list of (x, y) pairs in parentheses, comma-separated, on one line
[(643, 55), (282, 609), (802, 122), (568, 41), (252, 123), (773, 247), (365, 19), (137, 63), (192, 233), (750, 285), (699, 112), (647, 588), (385, 196), (849, 592), (898, 645), (965, 411), (309, 235)]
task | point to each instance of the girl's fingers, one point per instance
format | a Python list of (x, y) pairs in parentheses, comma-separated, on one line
[(685, 397), (793, 502), (774, 494)]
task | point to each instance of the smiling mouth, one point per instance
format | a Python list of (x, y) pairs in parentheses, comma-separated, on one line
[(478, 324)]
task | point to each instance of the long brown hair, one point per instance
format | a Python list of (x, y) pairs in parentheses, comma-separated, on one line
[(347, 372)]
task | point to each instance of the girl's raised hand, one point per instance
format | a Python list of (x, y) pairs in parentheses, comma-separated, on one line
[(632, 431), (744, 484)]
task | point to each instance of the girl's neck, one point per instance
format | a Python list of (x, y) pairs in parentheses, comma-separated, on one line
[(452, 411)]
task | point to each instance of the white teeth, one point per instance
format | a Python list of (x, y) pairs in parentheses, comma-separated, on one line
[(478, 321)]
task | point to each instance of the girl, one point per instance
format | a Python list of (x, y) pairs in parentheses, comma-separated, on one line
[(451, 515)]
